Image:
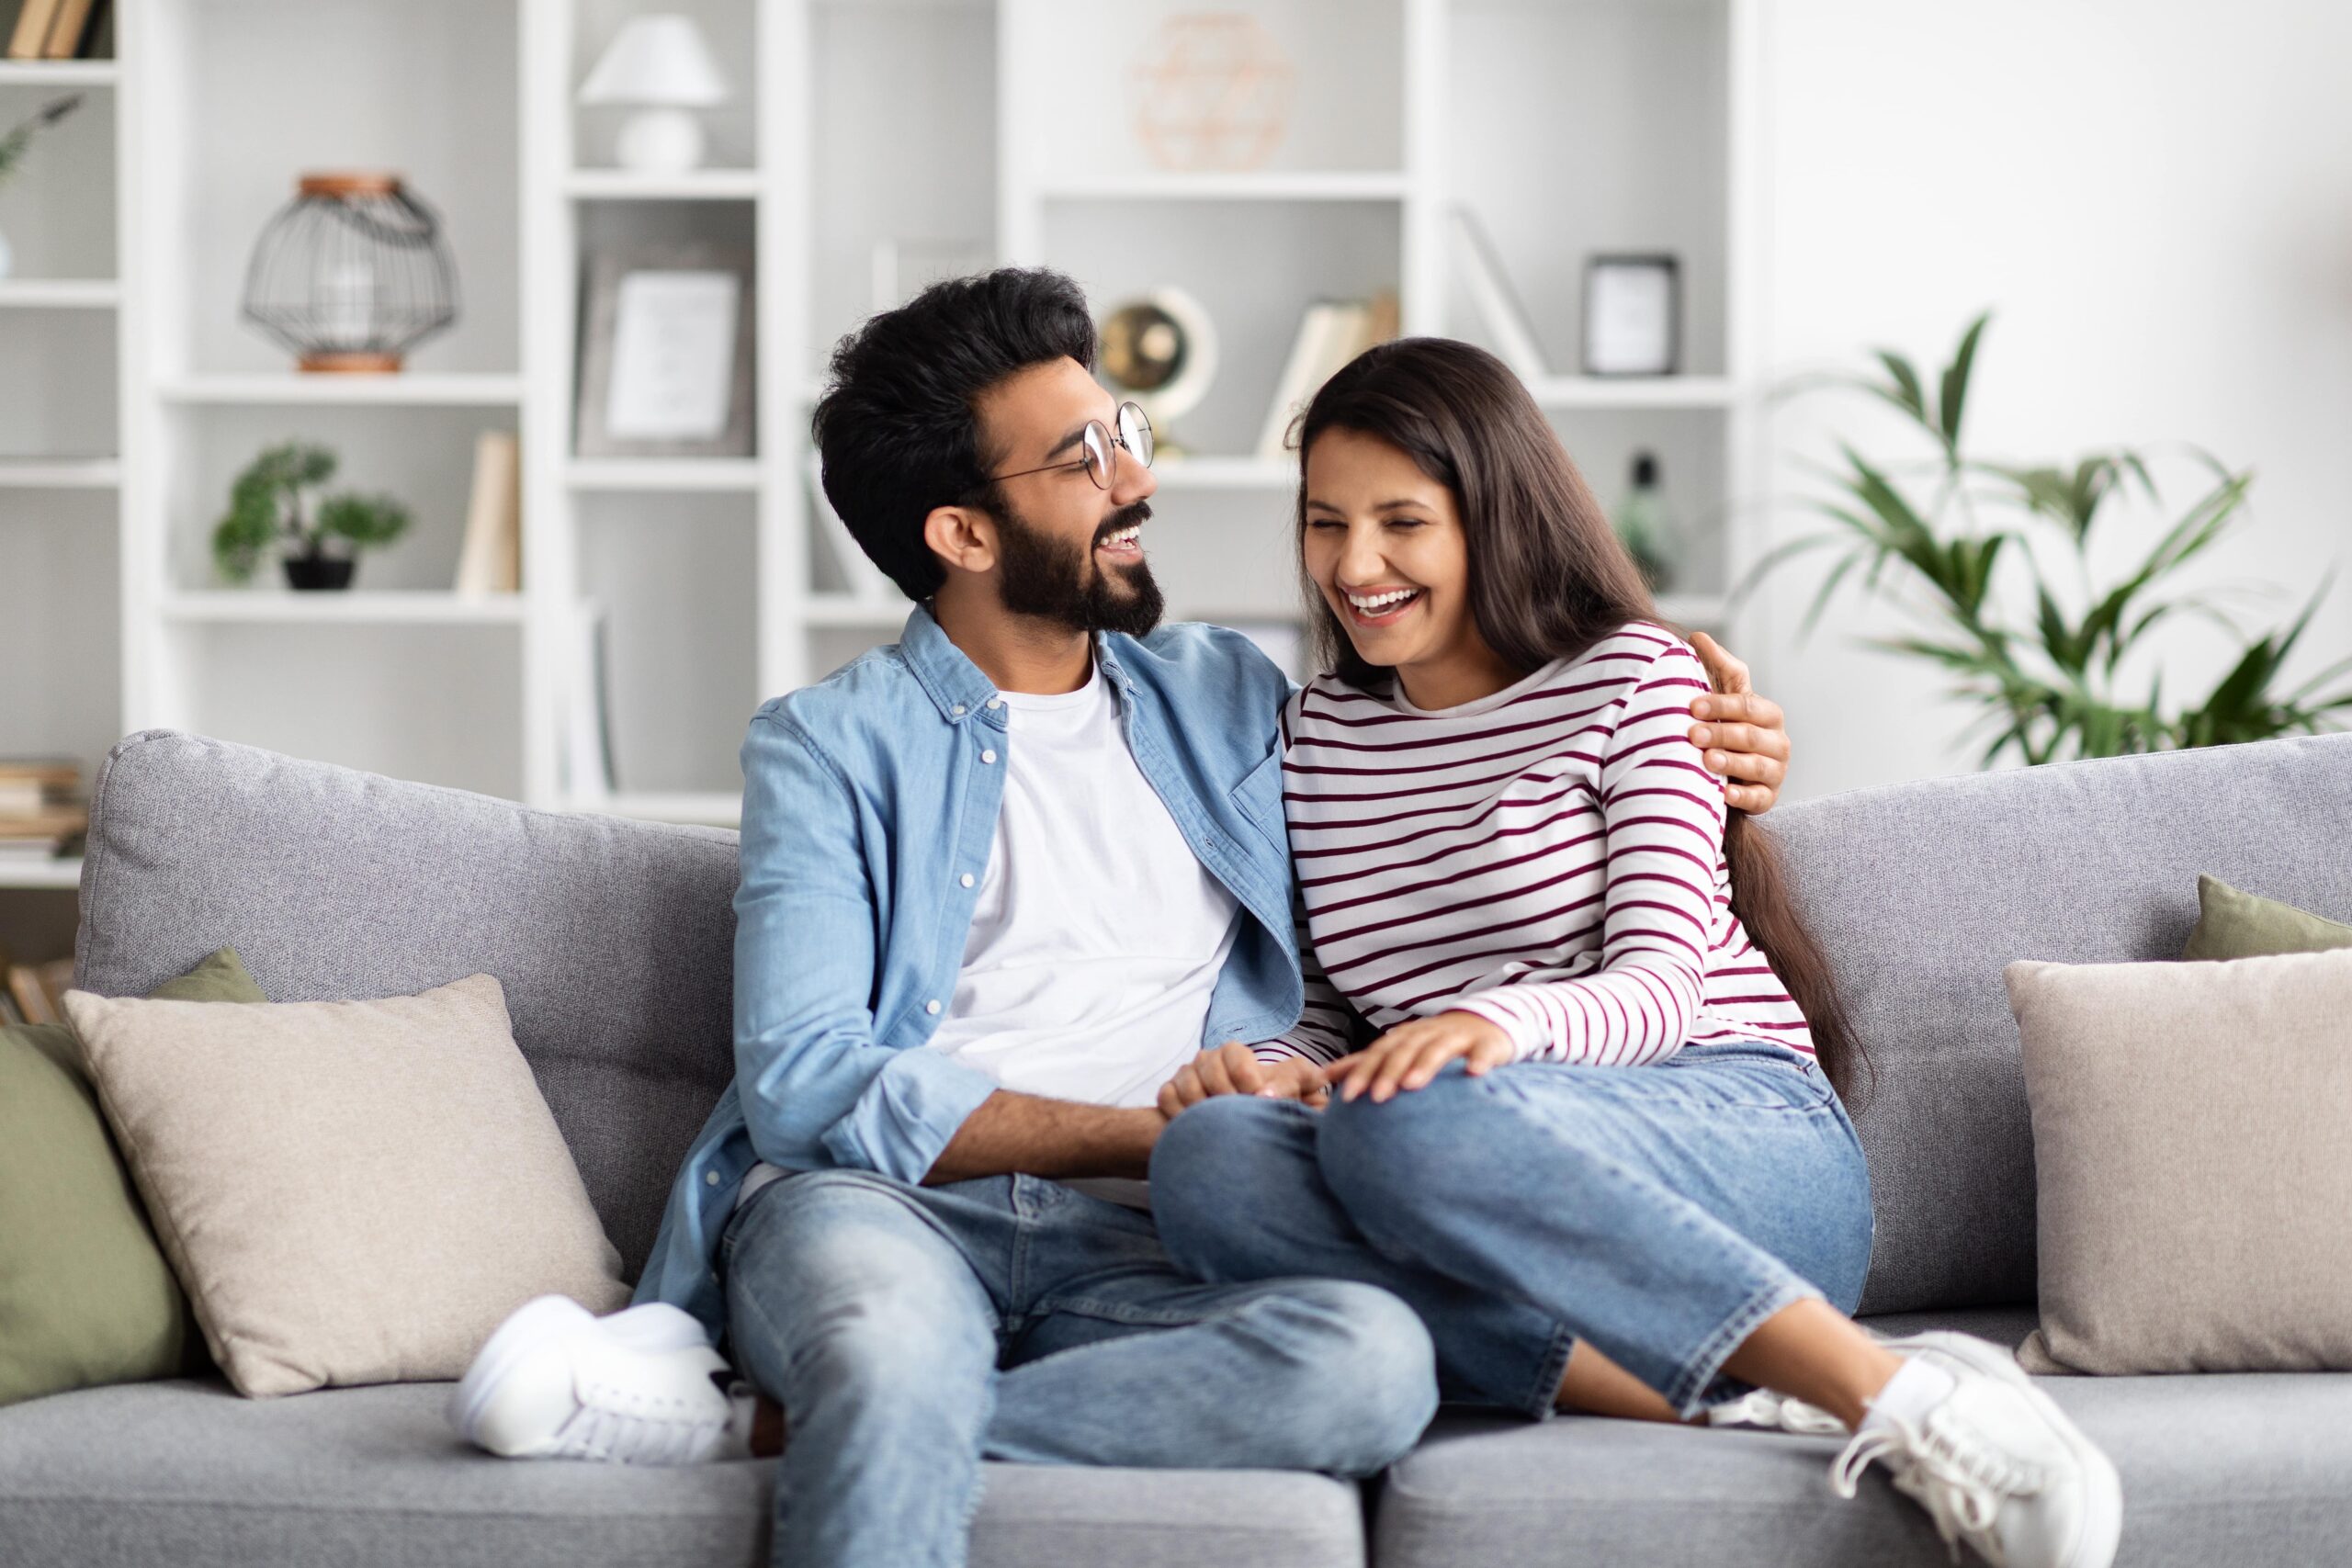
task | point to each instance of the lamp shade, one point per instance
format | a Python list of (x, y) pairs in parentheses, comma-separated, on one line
[(658, 59)]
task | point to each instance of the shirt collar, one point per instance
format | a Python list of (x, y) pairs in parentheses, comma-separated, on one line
[(955, 684)]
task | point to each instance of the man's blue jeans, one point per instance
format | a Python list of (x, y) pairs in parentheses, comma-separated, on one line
[(908, 1331), (1661, 1212)]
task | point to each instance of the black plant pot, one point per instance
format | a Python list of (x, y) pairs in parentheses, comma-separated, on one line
[(318, 571)]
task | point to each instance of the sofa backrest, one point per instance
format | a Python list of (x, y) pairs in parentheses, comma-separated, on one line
[(613, 939), (1922, 892)]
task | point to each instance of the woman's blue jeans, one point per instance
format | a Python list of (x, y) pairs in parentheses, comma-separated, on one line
[(1659, 1212)]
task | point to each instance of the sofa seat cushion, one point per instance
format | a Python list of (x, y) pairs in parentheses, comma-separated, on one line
[(2219, 1468), (188, 1473)]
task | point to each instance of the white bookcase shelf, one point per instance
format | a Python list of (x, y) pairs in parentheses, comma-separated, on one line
[(355, 607), (293, 390), (60, 294), (91, 473), (57, 73), (983, 128), (61, 872)]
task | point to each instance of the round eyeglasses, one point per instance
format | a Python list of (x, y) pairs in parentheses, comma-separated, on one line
[(1099, 443)]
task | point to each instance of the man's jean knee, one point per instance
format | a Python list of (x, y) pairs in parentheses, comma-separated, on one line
[(908, 1331)]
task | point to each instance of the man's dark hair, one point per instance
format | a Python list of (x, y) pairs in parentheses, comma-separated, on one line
[(897, 426)]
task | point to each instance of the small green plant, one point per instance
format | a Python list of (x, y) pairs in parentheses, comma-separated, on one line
[(1963, 544), (19, 139), (271, 504)]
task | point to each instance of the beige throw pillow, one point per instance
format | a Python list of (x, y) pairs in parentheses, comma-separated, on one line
[(350, 1192), (2195, 1179)]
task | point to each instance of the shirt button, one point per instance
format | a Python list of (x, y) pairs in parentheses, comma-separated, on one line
[(958, 710), (965, 879), (996, 702), (710, 1177), (931, 1008), (987, 756)]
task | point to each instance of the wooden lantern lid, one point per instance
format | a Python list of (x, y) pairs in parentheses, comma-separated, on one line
[(344, 184)]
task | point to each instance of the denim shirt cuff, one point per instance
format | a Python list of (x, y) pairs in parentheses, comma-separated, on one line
[(908, 1112)]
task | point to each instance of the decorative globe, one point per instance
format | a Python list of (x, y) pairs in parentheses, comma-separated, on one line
[(352, 274), (1161, 351)]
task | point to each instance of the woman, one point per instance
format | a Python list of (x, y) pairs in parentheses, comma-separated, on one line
[(1591, 1134)]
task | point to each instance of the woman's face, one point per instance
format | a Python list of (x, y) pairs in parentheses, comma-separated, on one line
[(1385, 546)]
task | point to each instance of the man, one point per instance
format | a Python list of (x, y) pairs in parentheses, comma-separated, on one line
[(1002, 883)]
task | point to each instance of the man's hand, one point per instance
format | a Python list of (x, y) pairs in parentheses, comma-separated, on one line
[(1744, 738), (1408, 1056), (1234, 1068)]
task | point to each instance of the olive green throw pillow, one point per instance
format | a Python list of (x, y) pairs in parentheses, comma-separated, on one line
[(2230, 924), (86, 1295)]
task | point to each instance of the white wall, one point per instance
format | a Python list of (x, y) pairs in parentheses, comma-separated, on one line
[(2156, 196)]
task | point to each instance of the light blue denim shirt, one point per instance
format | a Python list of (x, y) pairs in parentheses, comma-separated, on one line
[(870, 801)]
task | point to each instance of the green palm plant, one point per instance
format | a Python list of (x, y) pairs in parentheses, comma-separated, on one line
[(1963, 544), (270, 503)]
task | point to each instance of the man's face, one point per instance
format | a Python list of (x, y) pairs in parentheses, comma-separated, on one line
[(1067, 551)]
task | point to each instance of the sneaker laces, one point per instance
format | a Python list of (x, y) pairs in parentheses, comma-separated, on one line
[(1959, 1480)]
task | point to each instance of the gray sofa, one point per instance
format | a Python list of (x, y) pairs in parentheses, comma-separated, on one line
[(613, 941)]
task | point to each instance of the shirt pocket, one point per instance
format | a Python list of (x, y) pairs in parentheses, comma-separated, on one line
[(1259, 797)]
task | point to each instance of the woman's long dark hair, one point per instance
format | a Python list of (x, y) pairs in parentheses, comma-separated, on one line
[(1548, 578)]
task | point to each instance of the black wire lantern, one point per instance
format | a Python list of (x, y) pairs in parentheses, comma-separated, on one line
[(351, 273)]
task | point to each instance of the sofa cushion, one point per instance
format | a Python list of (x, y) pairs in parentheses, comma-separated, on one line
[(1921, 892), (2222, 1467), (85, 1294), (352, 1191), (187, 1474), (2234, 924), (2196, 1202), (613, 939)]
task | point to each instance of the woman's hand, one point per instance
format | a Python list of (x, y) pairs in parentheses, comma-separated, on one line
[(1408, 1056), (1745, 739), (1234, 1068)]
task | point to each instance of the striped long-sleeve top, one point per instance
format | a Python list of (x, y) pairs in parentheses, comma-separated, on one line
[(1549, 858)]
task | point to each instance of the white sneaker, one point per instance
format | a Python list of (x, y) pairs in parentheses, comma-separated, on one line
[(1762, 1407), (1995, 1464), (638, 1387)]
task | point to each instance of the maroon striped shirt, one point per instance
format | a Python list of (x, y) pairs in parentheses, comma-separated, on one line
[(1549, 858)]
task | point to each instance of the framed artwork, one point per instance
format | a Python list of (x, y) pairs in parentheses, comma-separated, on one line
[(665, 353), (1632, 315)]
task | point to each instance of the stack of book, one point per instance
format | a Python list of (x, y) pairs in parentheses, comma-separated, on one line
[(1331, 332), (33, 993), (58, 29), (42, 814)]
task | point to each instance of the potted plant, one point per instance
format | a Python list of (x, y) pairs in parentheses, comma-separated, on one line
[(1993, 564), (19, 141), (274, 502)]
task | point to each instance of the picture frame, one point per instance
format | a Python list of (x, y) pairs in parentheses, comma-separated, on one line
[(1632, 314), (665, 353)]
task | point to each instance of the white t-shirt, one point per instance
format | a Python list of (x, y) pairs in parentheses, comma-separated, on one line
[(1097, 935)]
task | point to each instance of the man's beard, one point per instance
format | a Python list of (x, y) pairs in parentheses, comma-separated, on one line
[(1054, 580)]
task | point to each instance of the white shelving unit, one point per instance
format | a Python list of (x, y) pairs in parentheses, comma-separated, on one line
[(1570, 127)]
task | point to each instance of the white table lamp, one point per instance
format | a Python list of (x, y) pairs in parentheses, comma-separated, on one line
[(661, 63)]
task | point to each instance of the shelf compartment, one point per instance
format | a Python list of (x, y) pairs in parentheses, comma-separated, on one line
[(57, 386), (61, 633), (438, 703), (676, 576)]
